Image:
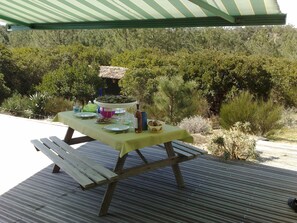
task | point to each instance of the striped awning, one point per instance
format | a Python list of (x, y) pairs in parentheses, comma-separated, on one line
[(103, 14)]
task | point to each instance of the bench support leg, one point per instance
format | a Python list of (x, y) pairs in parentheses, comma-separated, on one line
[(67, 139), (141, 156), (111, 188), (175, 167)]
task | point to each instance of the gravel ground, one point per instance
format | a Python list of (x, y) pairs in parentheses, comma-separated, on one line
[(276, 154)]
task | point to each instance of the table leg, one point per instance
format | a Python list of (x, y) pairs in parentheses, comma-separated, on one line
[(67, 139), (175, 167), (68, 135), (111, 188)]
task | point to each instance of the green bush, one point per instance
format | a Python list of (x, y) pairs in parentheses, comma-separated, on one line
[(38, 102), (57, 104), (267, 117), (36, 106), (262, 116), (240, 109), (17, 105), (234, 143)]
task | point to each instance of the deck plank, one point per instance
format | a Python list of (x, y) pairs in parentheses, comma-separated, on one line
[(216, 191)]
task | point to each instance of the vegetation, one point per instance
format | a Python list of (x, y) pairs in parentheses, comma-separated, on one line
[(196, 124), (234, 143), (288, 132), (172, 98), (174, 73), (79, 80), (262, 116), (35, 106), (17, 105)]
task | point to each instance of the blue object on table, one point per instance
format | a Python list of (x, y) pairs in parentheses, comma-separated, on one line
[(100, 92), (144, 120), (76, 108)]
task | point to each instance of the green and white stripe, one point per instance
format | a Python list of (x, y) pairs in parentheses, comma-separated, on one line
[(42, 14)]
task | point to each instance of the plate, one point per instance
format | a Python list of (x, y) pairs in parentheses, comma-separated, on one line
[(115, 105), (116, 127), (85, 114)]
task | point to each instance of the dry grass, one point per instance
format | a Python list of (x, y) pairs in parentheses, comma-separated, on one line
[(202, 140), (285, 135)]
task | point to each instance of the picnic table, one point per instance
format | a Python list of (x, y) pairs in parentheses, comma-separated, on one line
[(90, 174)]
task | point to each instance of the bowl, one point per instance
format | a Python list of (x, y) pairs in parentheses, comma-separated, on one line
[(155, 126), (106, 112)]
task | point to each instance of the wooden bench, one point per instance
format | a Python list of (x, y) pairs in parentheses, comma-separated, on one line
[(90, 174), (185, 150), (86, 172)]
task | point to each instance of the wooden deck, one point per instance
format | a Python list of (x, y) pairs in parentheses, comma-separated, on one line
[(215, 191)]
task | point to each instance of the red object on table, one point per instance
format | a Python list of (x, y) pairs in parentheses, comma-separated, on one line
[(107, 114)]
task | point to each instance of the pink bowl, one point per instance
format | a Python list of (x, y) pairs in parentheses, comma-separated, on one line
[(106, 114)]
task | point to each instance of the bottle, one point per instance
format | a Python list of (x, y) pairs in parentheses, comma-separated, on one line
[(144, 120), (138, 120)]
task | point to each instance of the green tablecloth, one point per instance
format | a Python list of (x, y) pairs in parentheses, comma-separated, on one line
[(123, 142)]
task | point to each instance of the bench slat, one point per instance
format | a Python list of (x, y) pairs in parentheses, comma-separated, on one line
[(93, 165), (188, 148), (74, 161), (181, 152), (84, 181), (185, 149)]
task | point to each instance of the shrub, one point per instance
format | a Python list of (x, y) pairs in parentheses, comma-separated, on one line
[(17, 105), (38, 102), (262, 116), (196, 124), (57, 104), (234, 143), (267, 117), (36, 106), (240, 109)]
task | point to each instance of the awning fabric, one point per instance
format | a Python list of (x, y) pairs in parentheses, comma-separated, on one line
[(105, 14)]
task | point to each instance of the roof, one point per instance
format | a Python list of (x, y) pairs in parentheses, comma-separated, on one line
[(102, 14), (112, 72)]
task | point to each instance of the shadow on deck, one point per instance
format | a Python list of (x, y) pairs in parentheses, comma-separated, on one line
[(216, 191)]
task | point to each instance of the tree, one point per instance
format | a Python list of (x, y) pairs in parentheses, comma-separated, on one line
[(33, 64), (4, 90), (141, 58), (176, 99), (79, 80), (11, 81), (284, 81), (141, 84)]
